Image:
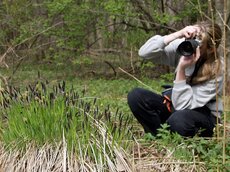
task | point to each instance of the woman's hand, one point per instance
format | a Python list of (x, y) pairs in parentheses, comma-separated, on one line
[(186, 61), (189, 31)]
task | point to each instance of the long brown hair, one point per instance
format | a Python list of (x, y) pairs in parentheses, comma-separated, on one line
[(210, 36)]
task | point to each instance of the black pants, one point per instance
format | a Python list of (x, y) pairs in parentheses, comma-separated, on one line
[(149, 110)]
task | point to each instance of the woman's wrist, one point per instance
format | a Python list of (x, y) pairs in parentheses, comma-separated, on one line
[(180, 75), (169, 38)]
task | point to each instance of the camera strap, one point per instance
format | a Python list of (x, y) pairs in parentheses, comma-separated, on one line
[(168, 88), (198, 64)]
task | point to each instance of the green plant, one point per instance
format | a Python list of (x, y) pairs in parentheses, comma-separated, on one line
[(197, 149), (168, 77), (42, 116)]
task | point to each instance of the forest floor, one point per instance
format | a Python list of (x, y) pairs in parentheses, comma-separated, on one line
[(110, 81)]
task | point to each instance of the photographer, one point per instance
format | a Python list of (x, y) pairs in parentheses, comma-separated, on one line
[(194, 105)]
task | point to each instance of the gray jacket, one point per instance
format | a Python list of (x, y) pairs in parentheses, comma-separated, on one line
[(184, 96)]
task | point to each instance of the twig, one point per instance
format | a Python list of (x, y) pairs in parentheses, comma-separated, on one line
[(43, 31), (131, 59), (64, 152), (224, 20), (136, 79), (173, 163), (114, 70), (215, 54), (2, 58), (225, 80)]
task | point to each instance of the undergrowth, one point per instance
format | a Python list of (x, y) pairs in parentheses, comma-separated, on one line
[(197, 149), (93, 117)]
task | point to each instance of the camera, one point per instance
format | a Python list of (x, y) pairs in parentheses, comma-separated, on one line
[(188, 47)]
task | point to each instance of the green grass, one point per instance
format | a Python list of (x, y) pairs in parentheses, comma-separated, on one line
[(46, 119), (44, 116)]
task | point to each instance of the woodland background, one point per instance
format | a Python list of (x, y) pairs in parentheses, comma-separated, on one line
[(95, 34)]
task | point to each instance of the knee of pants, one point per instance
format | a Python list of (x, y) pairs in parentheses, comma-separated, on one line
[(180, 125), (133, 97)]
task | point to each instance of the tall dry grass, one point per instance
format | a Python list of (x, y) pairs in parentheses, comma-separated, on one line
[(60, 158)]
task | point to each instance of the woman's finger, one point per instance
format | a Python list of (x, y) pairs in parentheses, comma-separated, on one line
[(197, 53)]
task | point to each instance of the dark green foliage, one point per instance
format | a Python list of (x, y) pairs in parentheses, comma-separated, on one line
[(66, 28)]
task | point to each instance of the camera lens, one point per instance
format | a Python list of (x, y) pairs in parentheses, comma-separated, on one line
[(187, 47)]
